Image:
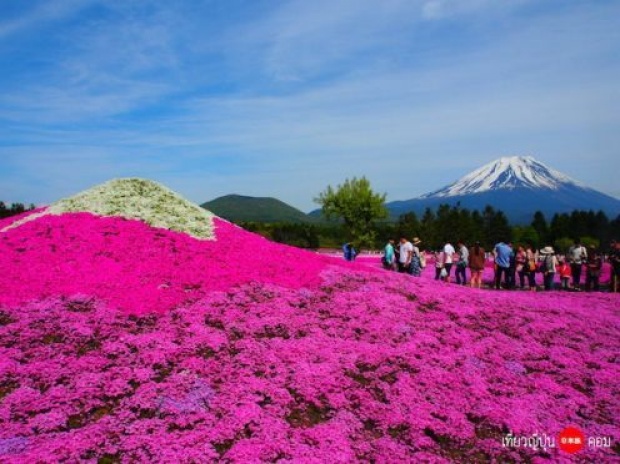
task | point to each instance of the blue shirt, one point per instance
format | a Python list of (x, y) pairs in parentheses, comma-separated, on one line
[(349, 252), (502, 254)]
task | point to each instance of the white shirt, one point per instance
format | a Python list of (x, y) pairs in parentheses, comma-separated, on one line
[(405, 249), (448, 251)]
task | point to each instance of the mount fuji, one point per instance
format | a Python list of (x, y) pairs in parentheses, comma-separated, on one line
[(518, 186)]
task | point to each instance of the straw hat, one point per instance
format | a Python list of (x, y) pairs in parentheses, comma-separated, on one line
[(547, 251), (416, 241)]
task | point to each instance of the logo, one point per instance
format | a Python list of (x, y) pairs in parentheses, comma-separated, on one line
[(572, 440)]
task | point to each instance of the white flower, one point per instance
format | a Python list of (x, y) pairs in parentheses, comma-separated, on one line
[(134, 198)]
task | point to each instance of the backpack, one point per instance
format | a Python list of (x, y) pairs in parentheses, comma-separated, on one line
[(422, 260)]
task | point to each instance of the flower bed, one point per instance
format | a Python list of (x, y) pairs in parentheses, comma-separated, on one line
[(121, 342), (361, 368), (139, 268)]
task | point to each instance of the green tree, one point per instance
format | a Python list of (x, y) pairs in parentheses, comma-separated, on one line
[(525, 236), (408, 225), (590, 241), (358, 207), (561, 227), (427, 229), (562, 244), (539, 223)]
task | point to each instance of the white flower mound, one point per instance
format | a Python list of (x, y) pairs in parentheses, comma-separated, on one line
[(135, 198)]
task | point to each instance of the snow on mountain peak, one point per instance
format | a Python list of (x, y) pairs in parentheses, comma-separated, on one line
[(506, 173)]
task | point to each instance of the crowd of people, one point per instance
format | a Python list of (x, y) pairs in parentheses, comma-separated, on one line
[(514, 266)]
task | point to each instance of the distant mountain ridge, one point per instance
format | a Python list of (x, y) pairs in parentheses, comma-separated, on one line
[(507, 173), (517, 185), (241, 208)]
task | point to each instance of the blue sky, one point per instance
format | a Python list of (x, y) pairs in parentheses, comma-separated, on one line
[(281, 98)]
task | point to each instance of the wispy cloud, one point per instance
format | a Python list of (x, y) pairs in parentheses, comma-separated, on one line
[(35, 14), (283, 98)]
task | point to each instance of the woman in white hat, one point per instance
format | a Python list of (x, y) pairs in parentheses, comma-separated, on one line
[(547, 257)]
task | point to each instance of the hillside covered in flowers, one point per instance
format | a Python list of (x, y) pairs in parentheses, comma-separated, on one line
[(137, 328)]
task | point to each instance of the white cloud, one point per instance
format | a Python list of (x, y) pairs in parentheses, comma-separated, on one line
[(313, 92)]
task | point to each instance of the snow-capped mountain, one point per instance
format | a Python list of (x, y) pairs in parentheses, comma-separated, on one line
[(507, 173), (517, 185)]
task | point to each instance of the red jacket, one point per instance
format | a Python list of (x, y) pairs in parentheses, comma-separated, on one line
[(564, 270)]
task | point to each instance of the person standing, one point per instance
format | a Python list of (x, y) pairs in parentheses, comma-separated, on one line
[(416, 268), (476, 264), (349, 252), (511, 279), (388, 255), (502, 263), (439, 264), (461, 265), (577, 256), (521, 265), (565, 272), (406, 250), (531, 267), (594, 265), (614, 260), (448, 252), (549, 266)]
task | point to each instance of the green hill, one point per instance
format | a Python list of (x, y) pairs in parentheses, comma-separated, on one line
[(239, 208)]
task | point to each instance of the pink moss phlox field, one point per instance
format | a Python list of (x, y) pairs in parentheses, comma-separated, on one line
[(281, 356), (140, 268)]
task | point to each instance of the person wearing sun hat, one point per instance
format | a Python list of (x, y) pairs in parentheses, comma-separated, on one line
[(547, 256), (415, 268)]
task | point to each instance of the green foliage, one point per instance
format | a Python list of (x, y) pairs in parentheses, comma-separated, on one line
[(451, 223), (590, 241), (357, 205), (408, 226), (526, 236), (295, 234), (239, 208), (562, 244), (427, 228), (539, 223)]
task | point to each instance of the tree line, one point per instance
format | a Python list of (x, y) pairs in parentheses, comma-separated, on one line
[(361, 209), (453, 223), (15, 208)]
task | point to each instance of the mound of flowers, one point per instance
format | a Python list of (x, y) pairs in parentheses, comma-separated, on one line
[(138, 268), (133, 198), (123, 342)]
